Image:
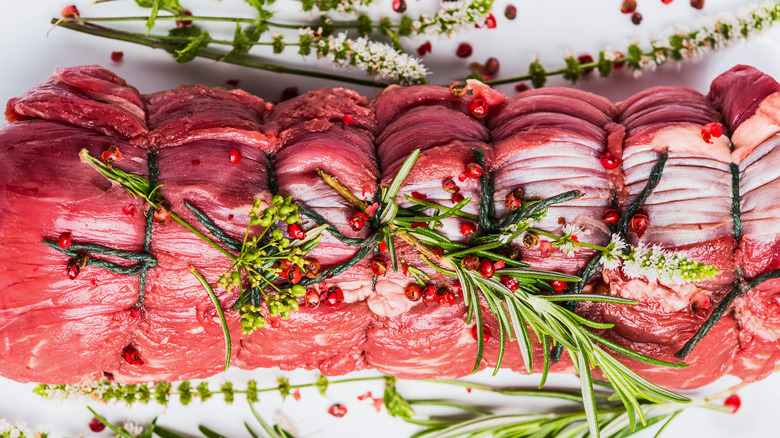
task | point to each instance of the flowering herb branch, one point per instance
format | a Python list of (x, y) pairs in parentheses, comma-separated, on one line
[(244, 60), (675, 45), (386, 63), (613, 418)]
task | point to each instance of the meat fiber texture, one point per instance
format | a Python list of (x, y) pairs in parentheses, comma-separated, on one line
[(544, 141)]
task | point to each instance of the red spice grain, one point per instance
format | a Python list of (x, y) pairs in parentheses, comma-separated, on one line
[(96, 425), (628, 6), (464, 50), (424, 49), (338, 410), (117, 56), (70, 12), (510, 12)]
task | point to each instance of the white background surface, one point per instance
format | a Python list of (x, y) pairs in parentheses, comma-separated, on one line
[(543, 28)]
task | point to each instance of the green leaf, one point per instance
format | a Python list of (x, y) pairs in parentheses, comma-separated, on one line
[(209, 433), (165, 433), (586, 385), (322, 384), (185, 32), (284, 387), (604, 65), (227, 390), (307, 5), (573, 70), (278, 44), (203, 391), (537, 73), (364, 25), (252, 395), (396, 405), (405, 26), (185, 392), (152, 15), (403, 172), (193, 48)]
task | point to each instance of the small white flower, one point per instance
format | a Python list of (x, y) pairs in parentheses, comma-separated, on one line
[(133, 429), (612, 254)]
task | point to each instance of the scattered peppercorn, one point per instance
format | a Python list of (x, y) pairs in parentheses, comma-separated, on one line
[(733, 402), (424, 49), (510, 12), (586, 59), (478, 108), (490, 21), (338, 410), (295, 231), (379, 266), (467, 229), (399, 6), (558, 285), (233, 82), (492, 65), (611, 216), (117, 56), (449, 186), (132, 356), (70, 12), (609, 160), (473, 170), (184, 23), (628, 6), (429, 294), (64, 241), (697, 4), (163, 211), (514, 199), (485, 333), (464, 50), (235, 156), (357, 221), (96, 425), (335, 295), (312, 298), (413, 292), (636, 18)]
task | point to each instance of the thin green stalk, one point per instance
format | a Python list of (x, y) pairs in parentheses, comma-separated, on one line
[(222, 321), (558, 238), (246, 60)]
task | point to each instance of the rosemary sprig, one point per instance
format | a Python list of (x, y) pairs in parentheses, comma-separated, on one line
[(528, 304)]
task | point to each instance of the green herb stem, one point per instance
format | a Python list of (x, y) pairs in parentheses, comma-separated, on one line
[(558, 239), (245, 60)]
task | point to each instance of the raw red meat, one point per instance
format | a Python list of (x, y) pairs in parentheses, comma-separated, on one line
[(214, 147)]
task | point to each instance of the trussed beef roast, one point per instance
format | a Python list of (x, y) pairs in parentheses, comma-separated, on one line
[(217, 151)]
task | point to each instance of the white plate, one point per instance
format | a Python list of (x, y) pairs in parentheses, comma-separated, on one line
[(543, 28)]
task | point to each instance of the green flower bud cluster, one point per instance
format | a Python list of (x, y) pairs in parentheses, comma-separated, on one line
[(251, 318), (285, 302), (253, 259), (281, 209)]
